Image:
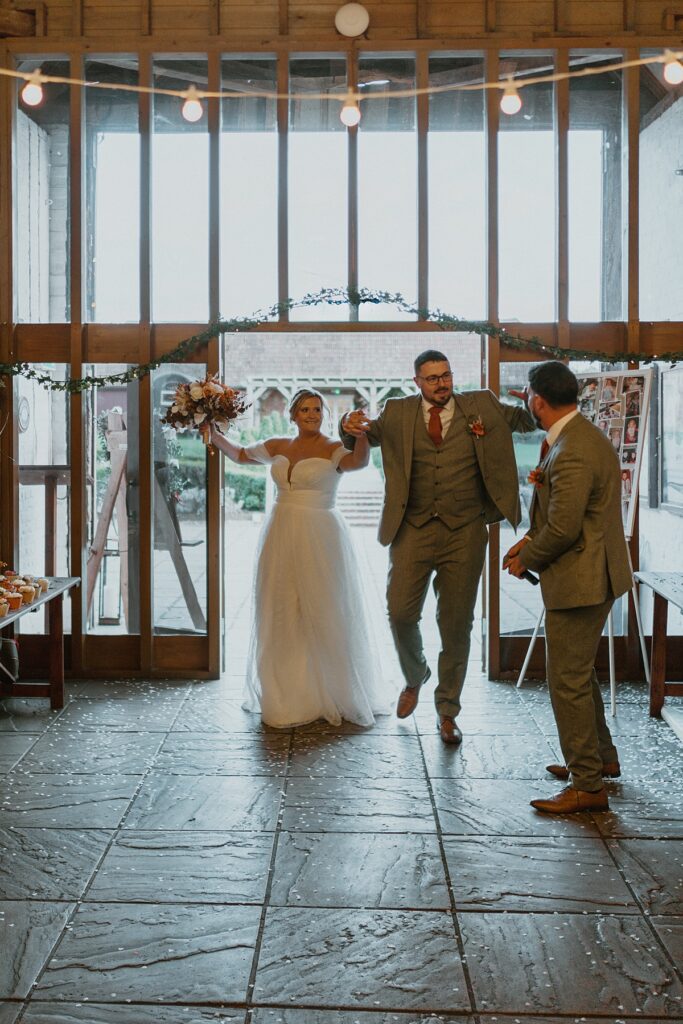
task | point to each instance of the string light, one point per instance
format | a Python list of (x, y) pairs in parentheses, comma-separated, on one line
[(350, 112), (192, 108), (32, 93), (511, 101), (673, 69)]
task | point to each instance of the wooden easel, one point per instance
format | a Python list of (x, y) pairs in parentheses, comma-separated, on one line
[(115, 501)]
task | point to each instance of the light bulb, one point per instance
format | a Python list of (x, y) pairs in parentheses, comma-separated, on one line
[(192, 108), (32, 93), (511, 101), (673, 69), (350, 112)]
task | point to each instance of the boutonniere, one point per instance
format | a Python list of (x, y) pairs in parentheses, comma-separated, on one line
[(536, 477), (475, 426)]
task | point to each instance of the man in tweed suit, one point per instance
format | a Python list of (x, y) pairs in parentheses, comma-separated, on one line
[(576, 542), (449, 470)]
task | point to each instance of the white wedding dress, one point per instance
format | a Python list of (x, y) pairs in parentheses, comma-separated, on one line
[(311, 654)]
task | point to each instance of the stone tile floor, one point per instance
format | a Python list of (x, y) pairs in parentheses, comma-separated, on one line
[(166, 860)]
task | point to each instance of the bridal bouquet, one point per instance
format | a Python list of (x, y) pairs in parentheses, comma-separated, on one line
[(204, 403)]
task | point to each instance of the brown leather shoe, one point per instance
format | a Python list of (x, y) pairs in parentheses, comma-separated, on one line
[(407, 701), (448, 729), (610, 770), (570, 800)]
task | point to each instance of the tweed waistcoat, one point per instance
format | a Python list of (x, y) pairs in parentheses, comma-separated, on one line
[(445, 481)]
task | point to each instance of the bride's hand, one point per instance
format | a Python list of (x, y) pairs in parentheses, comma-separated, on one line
[(356, 423)]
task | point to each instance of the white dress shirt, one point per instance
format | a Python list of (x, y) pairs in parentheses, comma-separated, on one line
[(447, 412)]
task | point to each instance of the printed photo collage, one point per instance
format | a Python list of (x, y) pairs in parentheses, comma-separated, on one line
[(615, 405)]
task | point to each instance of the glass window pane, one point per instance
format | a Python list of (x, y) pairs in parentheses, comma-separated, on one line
[(42, 423), (41, 201), (596, 198), (661, 195), (672, 436), (526, 196), (179, 501), (180, 198), (248, 188), (387, 184), (351, 370), (318, 185), (457, 189), (660, 528), (112, 587), (112, 195)]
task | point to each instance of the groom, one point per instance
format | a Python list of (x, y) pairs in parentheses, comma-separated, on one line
[(449, 469)]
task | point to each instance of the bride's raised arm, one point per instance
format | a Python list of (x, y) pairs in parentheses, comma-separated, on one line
[(358, 458), (235, 452)]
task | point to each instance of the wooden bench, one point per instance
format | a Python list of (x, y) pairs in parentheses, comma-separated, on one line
[(667, 586), (54, 688)]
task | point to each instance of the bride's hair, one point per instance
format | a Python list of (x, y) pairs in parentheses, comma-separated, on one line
[(301, 396)]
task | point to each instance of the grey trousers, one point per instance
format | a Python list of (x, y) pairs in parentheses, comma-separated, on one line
[(455, 558), (571, 644)]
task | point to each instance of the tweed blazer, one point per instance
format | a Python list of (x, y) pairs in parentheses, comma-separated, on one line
[(394, 429), (577, 537)]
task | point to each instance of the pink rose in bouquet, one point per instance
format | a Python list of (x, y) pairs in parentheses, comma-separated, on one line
[(202, 404)]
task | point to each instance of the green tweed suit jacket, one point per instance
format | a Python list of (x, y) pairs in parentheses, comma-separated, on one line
[(577, 537), (394, 432)]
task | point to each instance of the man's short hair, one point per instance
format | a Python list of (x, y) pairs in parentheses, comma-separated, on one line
[(555, 383), (431, 355)]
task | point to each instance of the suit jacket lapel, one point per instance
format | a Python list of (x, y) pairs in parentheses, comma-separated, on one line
[(413, 410), (467, 405)]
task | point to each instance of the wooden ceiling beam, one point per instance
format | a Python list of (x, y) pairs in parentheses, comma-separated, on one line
[(15, 22)]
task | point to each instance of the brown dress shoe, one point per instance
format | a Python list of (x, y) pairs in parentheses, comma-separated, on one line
[(448, 729), (570, 800), (407, 701), (610, 770)]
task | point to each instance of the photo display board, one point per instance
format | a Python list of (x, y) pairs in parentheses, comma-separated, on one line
[(618, 403)]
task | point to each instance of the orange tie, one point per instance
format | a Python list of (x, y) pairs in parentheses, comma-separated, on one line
[(545, 448), (434, 427)]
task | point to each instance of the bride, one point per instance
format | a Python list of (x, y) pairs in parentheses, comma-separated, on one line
[(311, 653)]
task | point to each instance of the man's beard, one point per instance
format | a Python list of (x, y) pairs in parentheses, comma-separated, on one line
[(442, 399)]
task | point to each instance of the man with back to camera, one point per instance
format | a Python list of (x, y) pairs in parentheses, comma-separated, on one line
[(450, 469), (576, 542)]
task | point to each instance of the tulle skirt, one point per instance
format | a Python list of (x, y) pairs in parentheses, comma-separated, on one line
[(311, 654)]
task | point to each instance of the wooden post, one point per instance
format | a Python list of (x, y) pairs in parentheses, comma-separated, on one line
[(213, 475), (145, 390), (422, 114), (9, 477), (631, 256), (77, 405), (352, 186), (658, 655), (56, 649), (561, 102), (491, 648), (282, 178), (490, 16)]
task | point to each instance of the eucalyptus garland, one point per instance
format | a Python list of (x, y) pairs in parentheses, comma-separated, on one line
[(336, 297)]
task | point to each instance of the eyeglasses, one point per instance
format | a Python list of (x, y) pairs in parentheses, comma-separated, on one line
[(434, 378)]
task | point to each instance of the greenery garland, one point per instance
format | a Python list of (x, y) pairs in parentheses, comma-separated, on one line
[(336, 297)]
